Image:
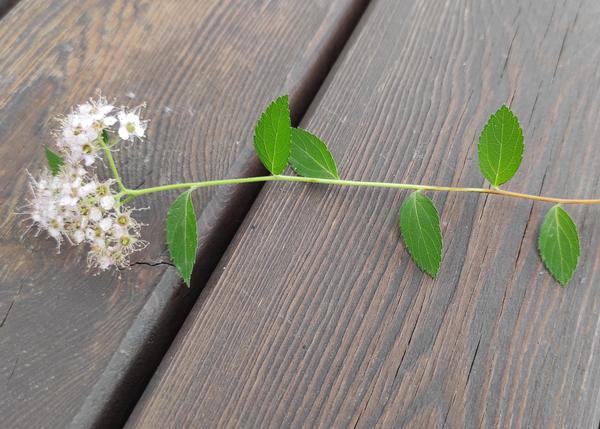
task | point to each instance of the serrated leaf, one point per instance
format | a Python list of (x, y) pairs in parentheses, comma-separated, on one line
[(500, 147), (273, 134), (558, 244), (421, 232), (310, 157), (55, 161), (182, 238)]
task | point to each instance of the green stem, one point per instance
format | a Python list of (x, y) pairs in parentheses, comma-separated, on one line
[(133, 193), (113, 166)]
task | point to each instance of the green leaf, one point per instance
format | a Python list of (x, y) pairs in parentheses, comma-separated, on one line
[(310, 157), (558, 244), (55, 161), (105, 136), (500, 147), (182, 237), (272, 136), (420, 228)]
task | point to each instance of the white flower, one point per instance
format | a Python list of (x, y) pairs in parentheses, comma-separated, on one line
[(107, 202), (105, 224), (78, 236), (98, 112), (87, 189), (96, 109), (68, 201), (74, 206), (130, 126), (79, 139), (78, 130), (95, 214)]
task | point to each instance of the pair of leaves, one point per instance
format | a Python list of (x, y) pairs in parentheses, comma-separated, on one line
[(278, 144), (500, 152), (558, 240)]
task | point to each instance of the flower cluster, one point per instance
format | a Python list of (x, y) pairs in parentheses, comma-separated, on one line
[(72, 204)]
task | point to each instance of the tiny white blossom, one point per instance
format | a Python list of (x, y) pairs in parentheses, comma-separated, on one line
[(105, 224), (98, 112), (78, 236), (78, 130), (107, 202), (130, 126), (87, 189), (95, 214)]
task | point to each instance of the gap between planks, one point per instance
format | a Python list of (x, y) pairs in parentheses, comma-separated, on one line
[(6, 6), (109, 404)]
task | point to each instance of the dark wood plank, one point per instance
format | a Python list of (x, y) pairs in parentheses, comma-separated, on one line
[(316, 316), (6, 5), (77, 349)]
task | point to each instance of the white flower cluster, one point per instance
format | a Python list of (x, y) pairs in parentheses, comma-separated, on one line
[(74, 205)]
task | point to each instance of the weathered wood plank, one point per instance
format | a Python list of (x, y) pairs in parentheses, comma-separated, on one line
[(6, 5), (77, 349), (316, 316)]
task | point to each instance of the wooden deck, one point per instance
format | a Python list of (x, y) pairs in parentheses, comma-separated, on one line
[(306, 311)]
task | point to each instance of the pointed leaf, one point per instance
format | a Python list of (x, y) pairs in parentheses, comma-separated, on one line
[(420, 228), (105, 137), (310, 157), (500, 147), (558, 244), (272, 136), (182, 237), (55, 161)]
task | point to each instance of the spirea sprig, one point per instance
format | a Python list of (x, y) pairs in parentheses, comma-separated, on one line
[(72, 204)]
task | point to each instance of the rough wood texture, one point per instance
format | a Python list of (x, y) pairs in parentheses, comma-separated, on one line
[(316, 316), (77, 349)]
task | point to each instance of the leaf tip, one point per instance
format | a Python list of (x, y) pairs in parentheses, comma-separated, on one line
[(55, 161), (433, 274)]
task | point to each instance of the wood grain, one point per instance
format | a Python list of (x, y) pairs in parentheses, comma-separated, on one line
[(6, 6), (316, 317), (75, 349)]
